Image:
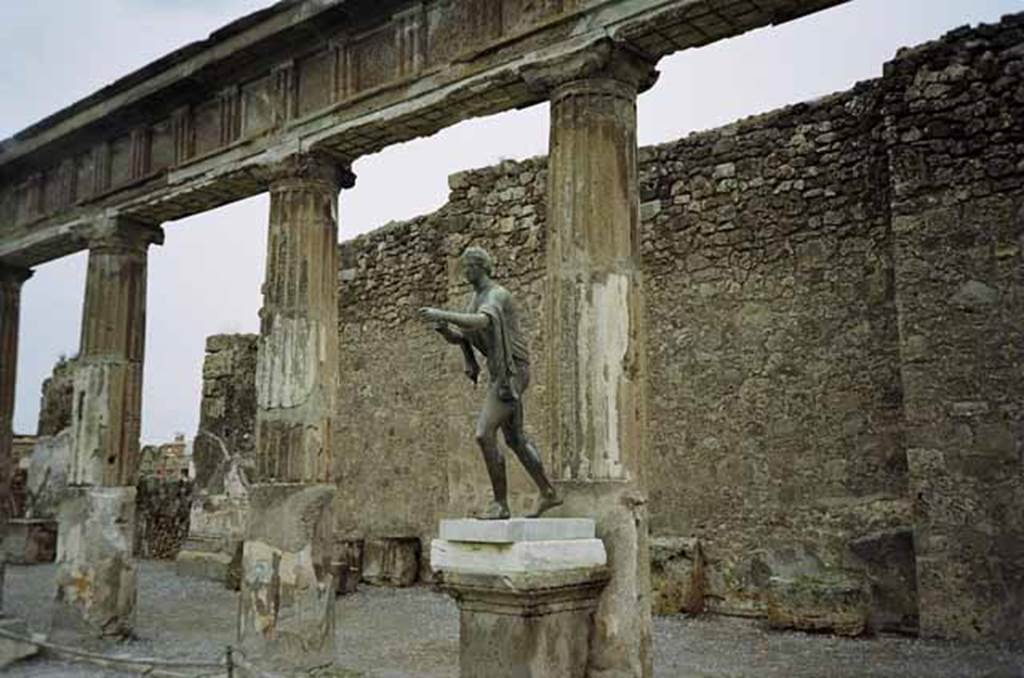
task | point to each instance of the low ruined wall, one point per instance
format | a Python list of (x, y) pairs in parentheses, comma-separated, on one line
[(832, 289), (227, 414), (56, 402)]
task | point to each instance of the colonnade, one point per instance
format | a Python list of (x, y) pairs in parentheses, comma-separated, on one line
[(596, 373)]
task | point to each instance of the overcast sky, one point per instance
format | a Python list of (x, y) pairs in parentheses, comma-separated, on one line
[(206, 278)]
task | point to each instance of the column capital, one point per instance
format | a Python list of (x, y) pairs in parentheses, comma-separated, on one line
[(314, 167), (14, 274), (606, 66), (122, 234)]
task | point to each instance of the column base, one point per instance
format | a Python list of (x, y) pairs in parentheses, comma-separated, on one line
[(622, 644), (286, 608), (96, 579), (526, 608)]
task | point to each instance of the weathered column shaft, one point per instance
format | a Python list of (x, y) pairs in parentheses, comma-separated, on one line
[(286, 610), (297, 366), (96, 577), (11, 280), (595, 350), (107, 407), (595, 334)]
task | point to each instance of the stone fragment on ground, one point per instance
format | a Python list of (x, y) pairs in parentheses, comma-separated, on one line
[(834, 602)]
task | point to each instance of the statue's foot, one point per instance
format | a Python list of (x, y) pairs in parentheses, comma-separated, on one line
[(547, 502), (496, 511)]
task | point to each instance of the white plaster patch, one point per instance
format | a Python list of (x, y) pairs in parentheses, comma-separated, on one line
[(602, 346), (289, 358), (90, 419)]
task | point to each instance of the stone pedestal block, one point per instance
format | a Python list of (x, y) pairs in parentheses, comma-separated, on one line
[(213, 549), (286, 610), (526, 608), (29, 541), (96, 579)]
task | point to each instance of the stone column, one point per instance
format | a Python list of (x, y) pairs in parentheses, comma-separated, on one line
[(107, 406), (96, 571), (287, 600), (11, 279), (595, 331)]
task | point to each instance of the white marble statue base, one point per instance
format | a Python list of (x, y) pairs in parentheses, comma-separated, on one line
[(516, 546)]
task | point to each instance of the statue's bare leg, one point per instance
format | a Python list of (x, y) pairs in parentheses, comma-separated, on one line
[(487, 438), (526, 451)]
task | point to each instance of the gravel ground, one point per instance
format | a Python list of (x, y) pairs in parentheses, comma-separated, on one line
[(403, 633)]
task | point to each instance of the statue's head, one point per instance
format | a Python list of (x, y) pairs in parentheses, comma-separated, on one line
[(476, 262)]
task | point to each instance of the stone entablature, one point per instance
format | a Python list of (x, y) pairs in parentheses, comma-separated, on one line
[(183, 134)]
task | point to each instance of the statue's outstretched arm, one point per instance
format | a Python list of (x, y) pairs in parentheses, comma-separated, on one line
[(466, 321)]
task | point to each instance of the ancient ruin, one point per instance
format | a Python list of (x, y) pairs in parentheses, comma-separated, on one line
[(779, 359)]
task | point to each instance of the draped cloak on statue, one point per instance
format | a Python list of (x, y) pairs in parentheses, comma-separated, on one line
[(501, 341)]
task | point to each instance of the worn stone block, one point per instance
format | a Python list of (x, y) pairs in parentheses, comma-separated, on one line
[(346, 578), (677, 575), (286, 617), (393, 561), (204, 565), (213, 549), (890, 562), (96, 578), (541, 629), (833, 602), (30, 541)]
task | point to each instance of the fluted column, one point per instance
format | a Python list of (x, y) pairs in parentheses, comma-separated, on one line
[(96, 576), (11, 279), (286, 610), (107, 406), (297, 363), (595, 331)]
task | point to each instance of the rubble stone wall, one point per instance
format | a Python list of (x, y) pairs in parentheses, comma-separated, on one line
[(227, 414), (56, 402), (956, 154), (775, 395), (833, 296), (161, 517)]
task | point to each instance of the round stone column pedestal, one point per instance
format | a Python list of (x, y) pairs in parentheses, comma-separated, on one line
[(96, 578), (286, 607)]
